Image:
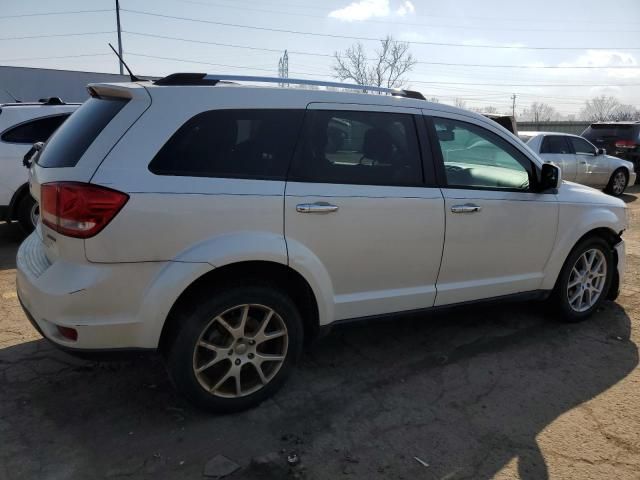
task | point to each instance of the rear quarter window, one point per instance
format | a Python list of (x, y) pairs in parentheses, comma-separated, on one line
[(71, 140), (32, 131), (252, 144)]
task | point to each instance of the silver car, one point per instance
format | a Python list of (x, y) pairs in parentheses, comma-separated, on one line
[(581, 161)]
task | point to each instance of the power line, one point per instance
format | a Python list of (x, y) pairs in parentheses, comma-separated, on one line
[(56, 35), (55, 13), (413, 81), (326, 55), (350, 37), (395, 22)]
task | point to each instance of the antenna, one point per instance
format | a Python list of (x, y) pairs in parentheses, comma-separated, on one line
[(133, 77), (15, 99)]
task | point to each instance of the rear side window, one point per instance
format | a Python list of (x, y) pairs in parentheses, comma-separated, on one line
[(33, 131), (232, 144), (72, 139), (555, 144), (362, 148)]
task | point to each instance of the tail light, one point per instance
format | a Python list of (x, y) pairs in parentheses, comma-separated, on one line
[(625, 143), (79, 210)]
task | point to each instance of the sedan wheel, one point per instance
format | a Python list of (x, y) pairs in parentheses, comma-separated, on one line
[(618, 182)]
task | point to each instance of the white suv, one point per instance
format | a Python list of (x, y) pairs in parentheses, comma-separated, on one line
[(224, 225), (22, 125)]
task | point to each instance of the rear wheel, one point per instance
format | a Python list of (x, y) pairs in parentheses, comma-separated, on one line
[(618, 182), (585, 279), (27, 213), (235, 348)]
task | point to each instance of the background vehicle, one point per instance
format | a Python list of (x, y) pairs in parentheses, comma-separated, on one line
[(22, 125), (621, 139), (225, 224), (581, 161)]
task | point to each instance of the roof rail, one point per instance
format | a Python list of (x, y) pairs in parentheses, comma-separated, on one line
[(212, 79)]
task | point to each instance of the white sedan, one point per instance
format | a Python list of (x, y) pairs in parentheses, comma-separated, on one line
[(581, 161)]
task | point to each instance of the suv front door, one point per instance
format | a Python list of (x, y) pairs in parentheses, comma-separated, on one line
[(359, 213), (499, 231)]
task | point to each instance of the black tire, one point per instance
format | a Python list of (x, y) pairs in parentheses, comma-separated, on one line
[(197, 318), (24, 213), (612, 189), (561, 291)]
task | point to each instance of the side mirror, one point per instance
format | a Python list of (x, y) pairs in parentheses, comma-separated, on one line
[(601, 151), (550, 177)]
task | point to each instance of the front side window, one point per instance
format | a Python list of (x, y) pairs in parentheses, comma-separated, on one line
[(555, 144), (361, 148), (33, 131), (477, 158), (253, 144), (582, 147)]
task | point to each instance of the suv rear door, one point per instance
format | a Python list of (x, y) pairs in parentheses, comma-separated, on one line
[(358, 212)]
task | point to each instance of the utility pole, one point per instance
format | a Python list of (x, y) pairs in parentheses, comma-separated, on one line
[(513, 105), (119, 34)]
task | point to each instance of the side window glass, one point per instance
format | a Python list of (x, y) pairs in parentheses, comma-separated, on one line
[(35, 130), (350, 147), (232, 144), (555, 144), (477, 158), (582, 147)]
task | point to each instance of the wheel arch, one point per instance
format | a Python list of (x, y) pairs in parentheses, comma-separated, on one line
[(271, 273), (15, 200)]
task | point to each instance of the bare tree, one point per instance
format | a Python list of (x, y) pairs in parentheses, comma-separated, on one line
[(600, 108), (625, 113), (539, 112), (460, 103), (392, 61)]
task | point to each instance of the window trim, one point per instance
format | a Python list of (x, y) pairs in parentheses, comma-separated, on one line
[(566, 141), (422, 143), (34, 119), (439, 159)]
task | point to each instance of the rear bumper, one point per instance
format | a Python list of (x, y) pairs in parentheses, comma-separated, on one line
[(100, 301)]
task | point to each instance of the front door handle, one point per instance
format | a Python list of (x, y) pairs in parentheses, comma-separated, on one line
[(466, 208), (317, 207)]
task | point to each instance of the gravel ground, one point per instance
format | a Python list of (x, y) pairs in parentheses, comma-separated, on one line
[(484, 392)]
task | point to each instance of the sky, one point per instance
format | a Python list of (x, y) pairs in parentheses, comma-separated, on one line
[(248, 37)]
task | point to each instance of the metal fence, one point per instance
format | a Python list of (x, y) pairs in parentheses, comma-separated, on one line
[(567, 127)]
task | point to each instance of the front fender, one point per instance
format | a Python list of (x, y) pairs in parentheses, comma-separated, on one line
[(577, 220)]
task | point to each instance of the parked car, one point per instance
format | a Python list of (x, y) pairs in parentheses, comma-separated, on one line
[(225, 225), (621, 139), (581, 161), (22, 125)]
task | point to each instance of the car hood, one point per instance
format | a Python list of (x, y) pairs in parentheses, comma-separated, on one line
[(570, 192)]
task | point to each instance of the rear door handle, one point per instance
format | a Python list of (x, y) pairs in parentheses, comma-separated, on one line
[(317, 207), (466, 208)]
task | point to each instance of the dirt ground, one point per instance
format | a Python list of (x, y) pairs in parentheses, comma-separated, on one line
[(491, 392)]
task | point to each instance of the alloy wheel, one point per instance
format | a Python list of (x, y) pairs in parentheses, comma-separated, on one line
[(619, 182), (240, 351), (586, 280)]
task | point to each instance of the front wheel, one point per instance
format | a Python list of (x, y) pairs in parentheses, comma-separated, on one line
[(618, 182), (585, 279), (235, 347)]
